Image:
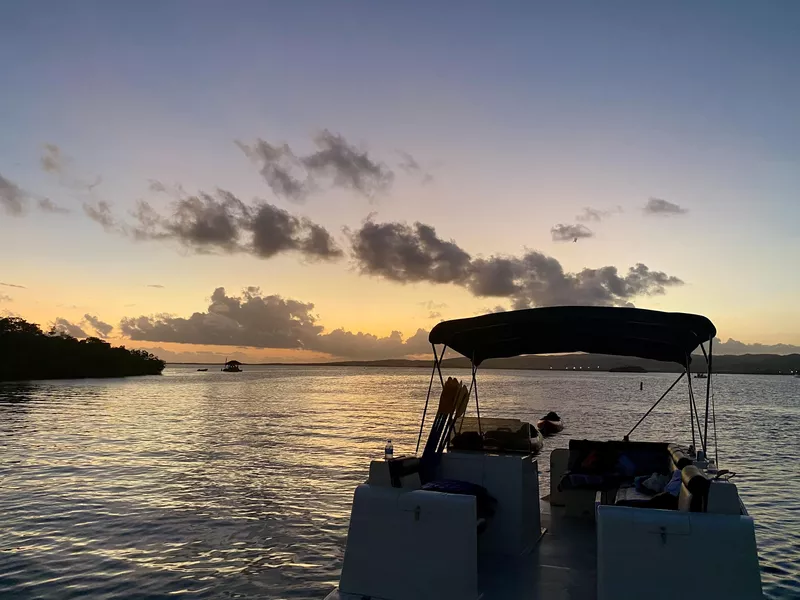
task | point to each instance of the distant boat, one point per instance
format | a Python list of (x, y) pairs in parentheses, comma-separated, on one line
[(232, 366), (202, 369), (701, 376)]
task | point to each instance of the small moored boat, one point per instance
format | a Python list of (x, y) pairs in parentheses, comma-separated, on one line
[(231, 366), (550, 424), (202, 369)]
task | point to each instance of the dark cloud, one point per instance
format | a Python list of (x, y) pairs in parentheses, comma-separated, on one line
[(202, 222), (13, 199), (100, 212), (736, 347), (570, 233), (405, 253), (267, 321), (101, 328), (64, 326), (658, 206), (155, 285), (274, 231), (13, 285), (596, 215), (346, 165), (221, 222), (335, 162)]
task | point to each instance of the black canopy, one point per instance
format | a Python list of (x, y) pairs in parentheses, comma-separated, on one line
[(596, 329)]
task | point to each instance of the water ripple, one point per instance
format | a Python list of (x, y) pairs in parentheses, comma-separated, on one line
[(212, 485)]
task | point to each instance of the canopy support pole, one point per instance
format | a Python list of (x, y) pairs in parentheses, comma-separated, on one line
[(664, 395), (475, 386), (693, 412), (436, 361), (708, 388)]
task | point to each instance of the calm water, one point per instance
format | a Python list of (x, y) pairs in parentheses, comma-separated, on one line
[(216, 485)]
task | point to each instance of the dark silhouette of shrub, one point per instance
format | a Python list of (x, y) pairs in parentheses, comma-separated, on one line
[(26, 352)]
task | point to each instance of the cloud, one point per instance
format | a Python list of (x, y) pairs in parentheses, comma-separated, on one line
[(56, 162), (13, 199), (410, 166), (281, 169), (346, 165), (63, 326), (267, 321), (434, 315), (736, 347), (101, 328), (155, 285), (657, 206), (221, 223), (13, 285), (431, 305), (404, 253), (596, 215), (336, 163), (100, 212), (47, 205), (5, 298), (52, 160), (570, 233)]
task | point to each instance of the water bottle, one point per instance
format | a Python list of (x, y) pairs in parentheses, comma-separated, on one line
[(388, 451)]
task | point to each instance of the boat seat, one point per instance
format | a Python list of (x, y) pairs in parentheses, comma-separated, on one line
[(679, 457), (694, 490), (595, 465)]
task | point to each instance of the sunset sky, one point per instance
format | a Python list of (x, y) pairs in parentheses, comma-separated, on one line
[(299, 180)]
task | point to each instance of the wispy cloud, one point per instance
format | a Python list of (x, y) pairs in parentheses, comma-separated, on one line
[(5, 298), (410, 166), (659, 206), (13, 285), (335, 163), (595, 215), (155, 285)]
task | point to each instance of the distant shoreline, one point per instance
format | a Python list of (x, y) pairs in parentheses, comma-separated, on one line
[(745, 364)]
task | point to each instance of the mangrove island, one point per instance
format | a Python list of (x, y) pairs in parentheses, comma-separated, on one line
[(27, 352)]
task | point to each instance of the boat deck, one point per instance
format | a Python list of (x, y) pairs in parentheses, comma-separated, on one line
[(563, 565)]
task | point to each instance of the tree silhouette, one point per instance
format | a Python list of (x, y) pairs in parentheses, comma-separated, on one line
[(26, 352)]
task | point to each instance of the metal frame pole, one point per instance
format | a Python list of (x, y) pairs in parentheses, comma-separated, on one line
[(708, 388), (436, 361), (664, 395)]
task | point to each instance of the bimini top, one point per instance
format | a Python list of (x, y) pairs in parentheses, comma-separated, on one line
[(651, 334)]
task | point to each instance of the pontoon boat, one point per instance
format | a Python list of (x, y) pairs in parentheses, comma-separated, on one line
[(463, 520)]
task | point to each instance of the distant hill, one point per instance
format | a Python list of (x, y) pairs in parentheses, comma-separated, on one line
[(758, 364), (26, 352)]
